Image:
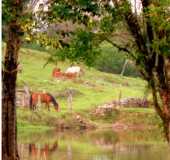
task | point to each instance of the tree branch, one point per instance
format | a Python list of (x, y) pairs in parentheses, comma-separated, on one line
[(120, 48), (133, 25)]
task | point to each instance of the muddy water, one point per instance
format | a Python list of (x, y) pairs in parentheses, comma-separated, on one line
[(93, 145)]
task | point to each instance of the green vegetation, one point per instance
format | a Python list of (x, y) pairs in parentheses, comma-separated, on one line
[(92, 89), (145, 41), (111, 60), (97, 84)]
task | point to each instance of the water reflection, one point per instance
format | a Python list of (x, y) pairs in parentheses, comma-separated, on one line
[(98, 145), (36, 152)]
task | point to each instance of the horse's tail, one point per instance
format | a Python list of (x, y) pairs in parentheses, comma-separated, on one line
[(56, 105)]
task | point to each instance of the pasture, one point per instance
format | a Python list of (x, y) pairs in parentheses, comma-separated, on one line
[(92, 89)]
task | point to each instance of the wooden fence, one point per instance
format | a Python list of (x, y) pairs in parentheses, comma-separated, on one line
[(22, 98)]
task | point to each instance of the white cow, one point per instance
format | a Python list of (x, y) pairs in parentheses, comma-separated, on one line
[(74, 69)]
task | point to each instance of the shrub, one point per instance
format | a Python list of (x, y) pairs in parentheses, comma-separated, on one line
[(111, 60)]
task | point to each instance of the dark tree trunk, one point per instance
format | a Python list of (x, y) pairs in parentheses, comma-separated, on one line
[(163, 87), (160, 85), (156, 66), (166, 117), (166, 125), (9, 75), (165, 96)]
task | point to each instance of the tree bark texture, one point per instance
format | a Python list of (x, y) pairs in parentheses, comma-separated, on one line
[(9, 76), (165, 96)]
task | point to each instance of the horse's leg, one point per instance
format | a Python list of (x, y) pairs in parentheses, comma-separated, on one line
[(34, 107), (38, 107), (31, 107), (48, 106)]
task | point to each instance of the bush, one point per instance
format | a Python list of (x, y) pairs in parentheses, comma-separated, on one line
[(111, 60)]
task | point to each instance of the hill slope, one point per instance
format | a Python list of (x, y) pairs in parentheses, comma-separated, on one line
[(92, 89)]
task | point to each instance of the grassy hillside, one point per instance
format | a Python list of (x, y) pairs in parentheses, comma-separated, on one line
[(92, 89)]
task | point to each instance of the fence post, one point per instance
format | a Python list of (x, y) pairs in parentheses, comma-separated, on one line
[(69, 100), (124, 67), (27, 96), (120, 97)]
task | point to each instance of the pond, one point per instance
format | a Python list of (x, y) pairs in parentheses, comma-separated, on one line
[(93, 145)]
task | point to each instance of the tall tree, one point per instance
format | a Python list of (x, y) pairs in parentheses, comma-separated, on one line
[(152, 41), (11, 13)]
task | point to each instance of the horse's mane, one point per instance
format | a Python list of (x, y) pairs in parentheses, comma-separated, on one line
[(53, 99)]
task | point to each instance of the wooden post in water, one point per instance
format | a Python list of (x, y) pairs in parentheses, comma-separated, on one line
[(69, 152)]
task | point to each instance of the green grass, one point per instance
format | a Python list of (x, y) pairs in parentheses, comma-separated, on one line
[(102, 87), (93, 88)]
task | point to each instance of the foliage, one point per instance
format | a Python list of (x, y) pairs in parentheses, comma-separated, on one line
[(73, 9), (81, 48), (106, 24), (111, 60), (6, 9)]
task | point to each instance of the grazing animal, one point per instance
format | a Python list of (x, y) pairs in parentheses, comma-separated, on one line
[(57, 73), (74, 70), (46, 98), (70, 75)]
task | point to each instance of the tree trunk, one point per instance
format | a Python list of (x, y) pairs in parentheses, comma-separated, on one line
[(9, 75), (164, 110), (166, 125), (165, 96)]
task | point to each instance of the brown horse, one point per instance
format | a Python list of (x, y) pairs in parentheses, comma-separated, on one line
[(46, 98)]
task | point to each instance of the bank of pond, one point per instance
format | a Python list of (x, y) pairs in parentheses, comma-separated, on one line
[(128, 134), (100, 144)]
